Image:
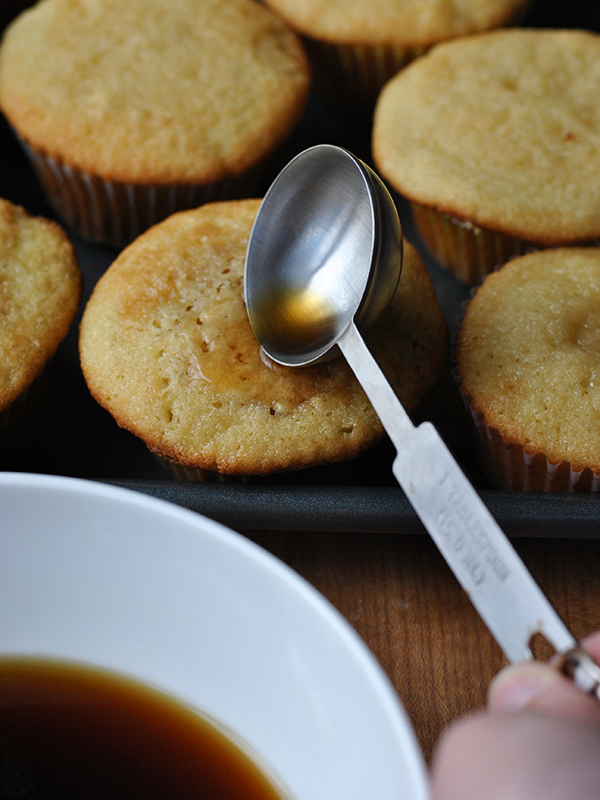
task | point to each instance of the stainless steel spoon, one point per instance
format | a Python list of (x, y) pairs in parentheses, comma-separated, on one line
[(324, 258)]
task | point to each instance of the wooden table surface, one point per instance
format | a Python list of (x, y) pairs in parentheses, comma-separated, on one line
[(400, 596)]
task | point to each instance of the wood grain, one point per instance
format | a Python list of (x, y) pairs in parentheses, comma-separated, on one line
[(400, 596)]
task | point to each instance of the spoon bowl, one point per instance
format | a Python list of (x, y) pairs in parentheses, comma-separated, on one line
[(325, 252)]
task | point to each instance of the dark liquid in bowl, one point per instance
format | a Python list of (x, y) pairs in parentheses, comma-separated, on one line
[(70, 732)]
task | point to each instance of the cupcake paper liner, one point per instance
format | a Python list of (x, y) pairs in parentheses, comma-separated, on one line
[(350, 76), (509, 466), (115, 213), (18, 419), (183, 473), (468, 251)]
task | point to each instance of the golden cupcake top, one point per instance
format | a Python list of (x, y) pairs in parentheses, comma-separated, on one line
[(398, 22), (501, 129), (153, 91), (40, 287), (167, 348), (529, 354)]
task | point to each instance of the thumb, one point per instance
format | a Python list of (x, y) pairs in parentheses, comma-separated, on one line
[(540, 687)]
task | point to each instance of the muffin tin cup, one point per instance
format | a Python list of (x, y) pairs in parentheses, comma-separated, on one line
[(114, 213), (468, 251), (350, 76), (511, 467)]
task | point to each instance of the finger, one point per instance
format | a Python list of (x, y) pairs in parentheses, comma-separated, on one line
[(517, 757), (592, 645), (539, 687)]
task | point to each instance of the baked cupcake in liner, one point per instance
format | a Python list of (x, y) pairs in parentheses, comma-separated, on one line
[(130, 112), (40, 291), (355, 47), (492, 139), (167, 348), (528, 365)]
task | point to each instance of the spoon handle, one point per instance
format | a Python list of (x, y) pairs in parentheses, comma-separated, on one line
[(476, 549)]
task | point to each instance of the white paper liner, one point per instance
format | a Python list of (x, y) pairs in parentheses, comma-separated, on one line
[(350, 76), (18, 419), (468, 251), (183, 473), (115, 213), (509, 466)]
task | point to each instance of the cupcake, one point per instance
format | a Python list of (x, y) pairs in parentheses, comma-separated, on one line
[(131, 111), (528, 362), (493, 138), (167, 348), (40, 289), (357, 45)]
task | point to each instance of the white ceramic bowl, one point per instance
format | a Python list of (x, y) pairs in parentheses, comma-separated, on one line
[(99, 574)]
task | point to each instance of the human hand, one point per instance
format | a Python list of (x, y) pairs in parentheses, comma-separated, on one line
[(538, 739)]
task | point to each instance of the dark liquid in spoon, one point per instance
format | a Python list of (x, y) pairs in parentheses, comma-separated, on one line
[(295, 321), (69, 732)]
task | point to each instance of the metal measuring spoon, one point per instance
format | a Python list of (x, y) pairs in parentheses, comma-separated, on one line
[(324, 257)]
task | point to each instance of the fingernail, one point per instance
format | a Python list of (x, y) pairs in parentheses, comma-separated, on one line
[(516, 687)]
